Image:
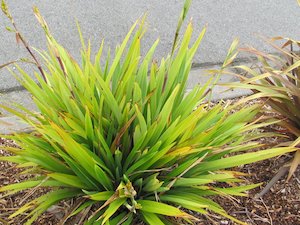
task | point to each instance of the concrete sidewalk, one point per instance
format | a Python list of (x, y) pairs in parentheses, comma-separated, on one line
[(198, 75), (112, 19), (10, 124)]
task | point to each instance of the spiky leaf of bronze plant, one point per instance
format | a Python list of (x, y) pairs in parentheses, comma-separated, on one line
[(276, 79)]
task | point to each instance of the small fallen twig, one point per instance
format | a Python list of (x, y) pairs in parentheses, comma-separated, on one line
[(281, 172), (269, 215)]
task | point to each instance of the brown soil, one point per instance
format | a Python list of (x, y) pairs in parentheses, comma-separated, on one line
[(279, 206), (10, 174)]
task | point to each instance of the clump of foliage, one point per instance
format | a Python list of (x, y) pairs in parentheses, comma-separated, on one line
[(276, 79), (125, 140)]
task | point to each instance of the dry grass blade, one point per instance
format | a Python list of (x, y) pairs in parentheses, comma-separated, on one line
[(294, 165), (7, 64)]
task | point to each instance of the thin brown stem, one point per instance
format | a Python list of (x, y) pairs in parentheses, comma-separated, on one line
[(30, 52), (19, 37)]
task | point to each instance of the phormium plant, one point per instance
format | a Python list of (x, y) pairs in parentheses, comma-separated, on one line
[(125, 140), (275, 79)]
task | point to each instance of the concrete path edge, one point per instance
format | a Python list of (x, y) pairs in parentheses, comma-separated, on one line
[(11, 124)]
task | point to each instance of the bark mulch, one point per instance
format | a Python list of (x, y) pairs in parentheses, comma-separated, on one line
[(279, 206)]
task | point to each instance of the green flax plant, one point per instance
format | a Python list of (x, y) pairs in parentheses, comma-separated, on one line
[(125, 140)]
